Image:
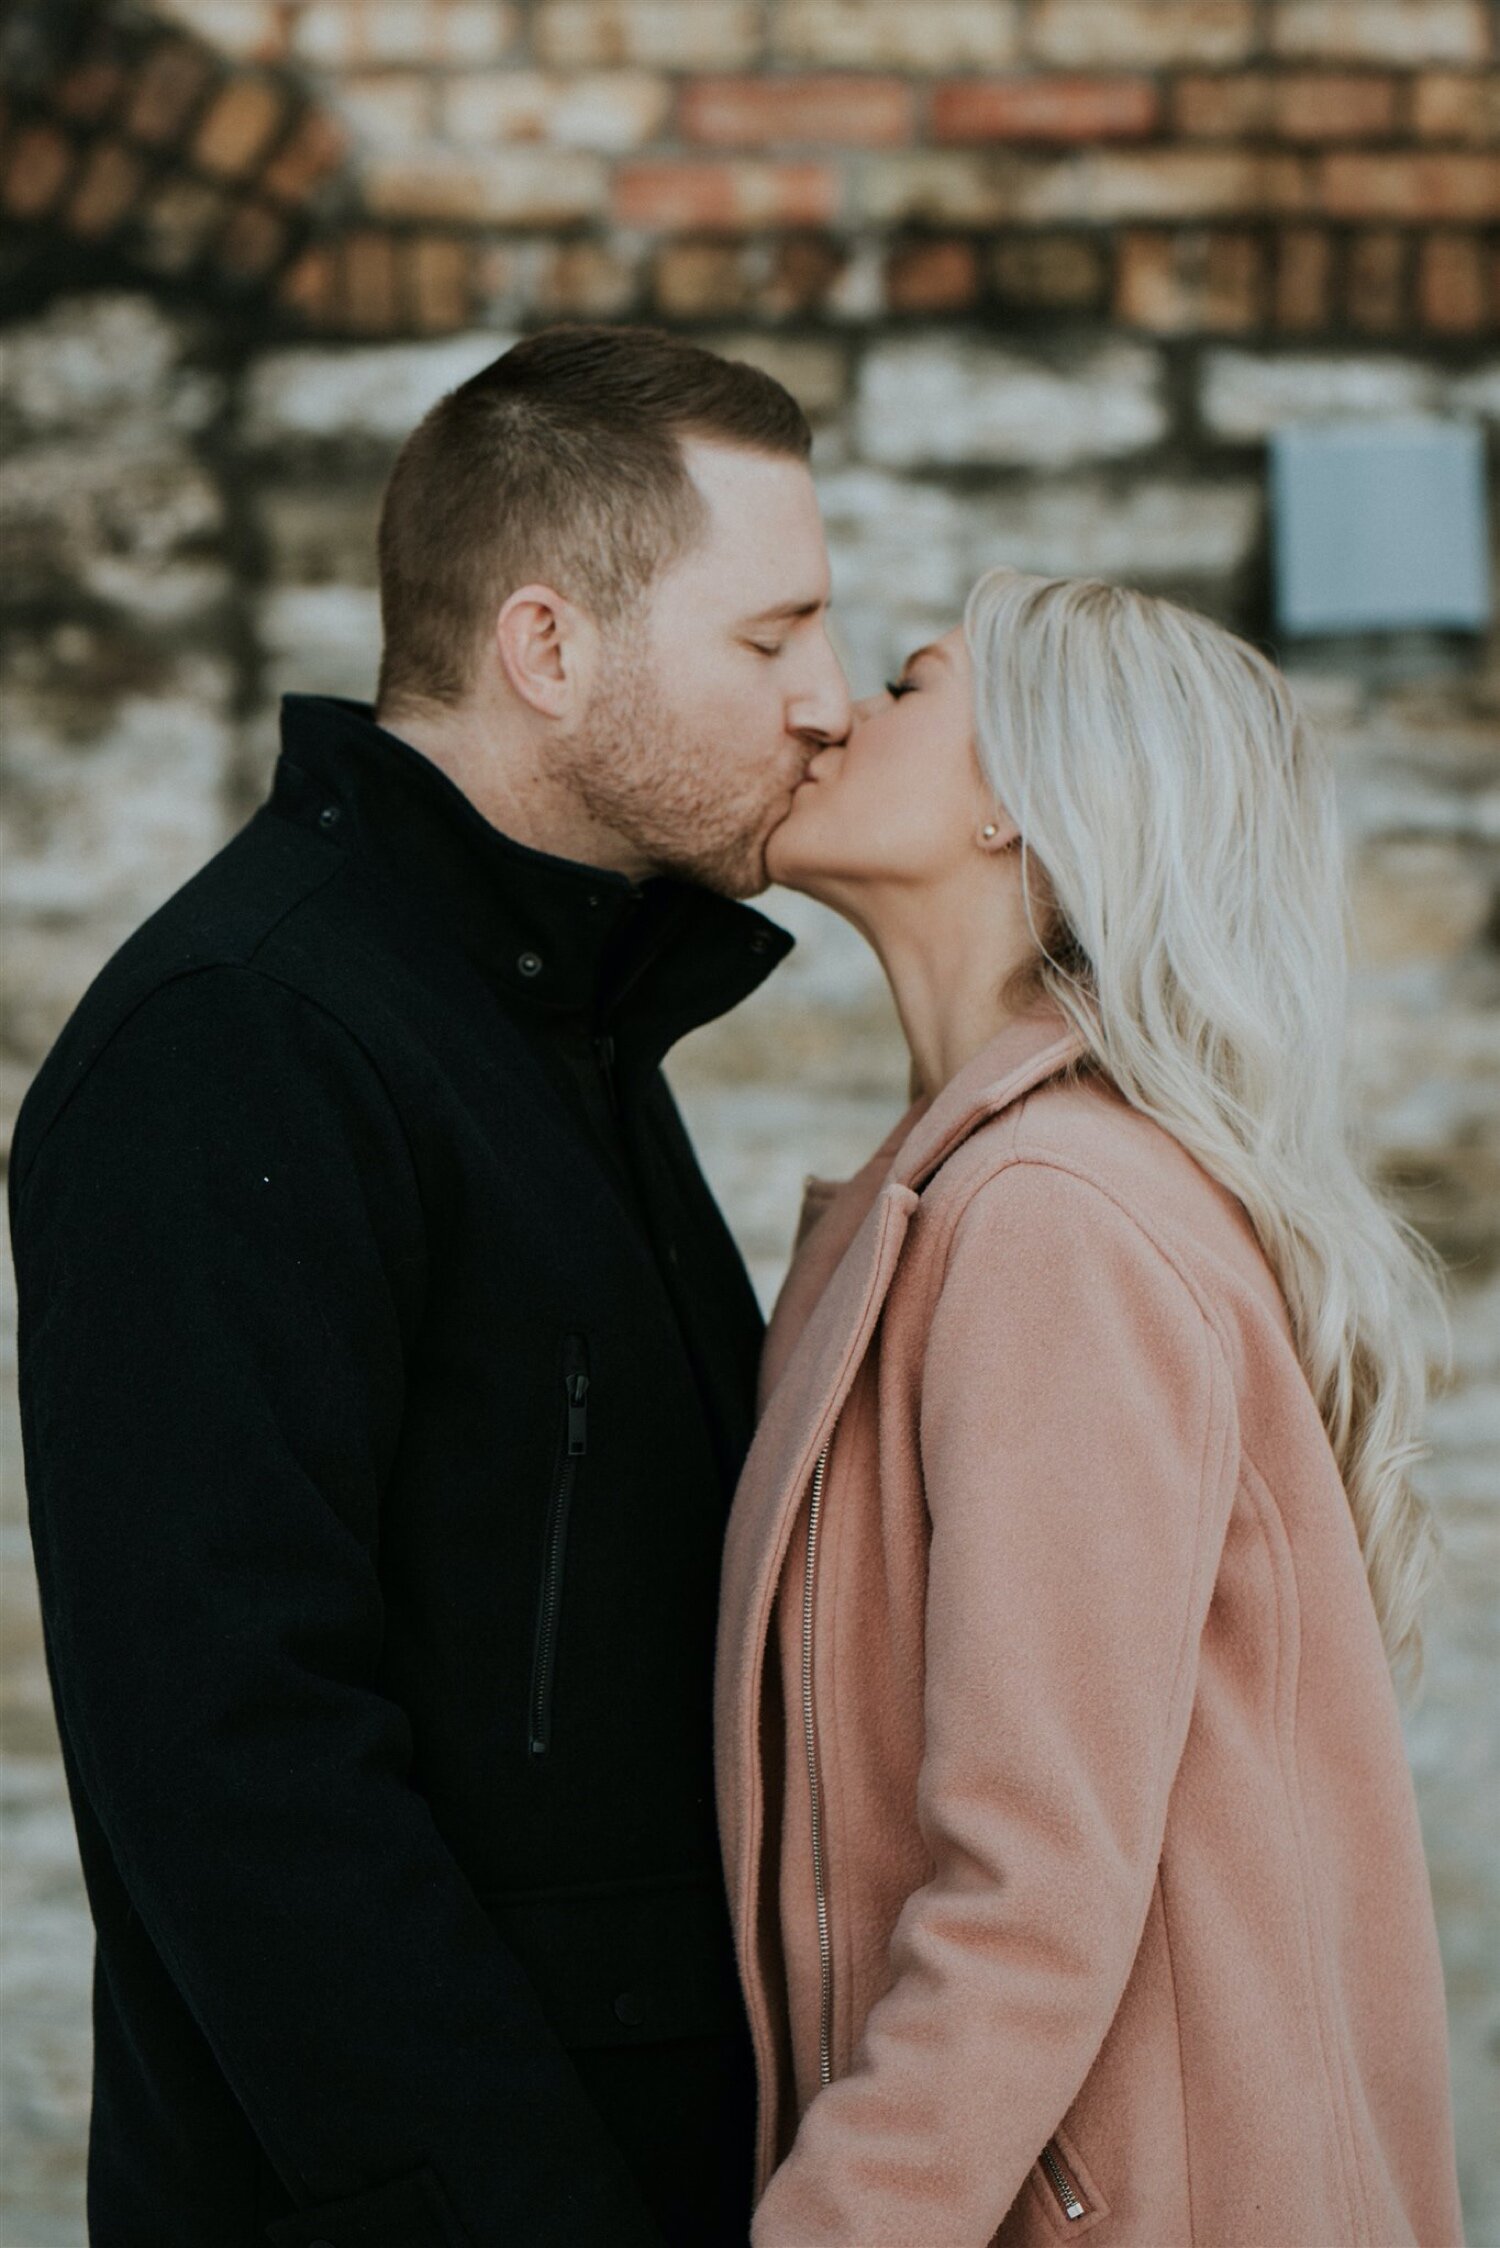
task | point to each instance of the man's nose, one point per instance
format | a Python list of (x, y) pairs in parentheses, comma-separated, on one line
[(823, 713)]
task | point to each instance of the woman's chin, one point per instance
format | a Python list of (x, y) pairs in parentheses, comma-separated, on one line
[(792, 858)]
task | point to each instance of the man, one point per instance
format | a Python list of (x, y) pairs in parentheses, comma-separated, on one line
[(387, 1366)]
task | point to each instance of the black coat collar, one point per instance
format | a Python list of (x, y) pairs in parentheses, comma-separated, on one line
[(652, 960)]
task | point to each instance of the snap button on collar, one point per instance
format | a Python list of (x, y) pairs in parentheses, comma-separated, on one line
[(330, 816), (530, 964)]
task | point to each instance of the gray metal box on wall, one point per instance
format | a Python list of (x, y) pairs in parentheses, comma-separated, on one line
[(1379, 526)]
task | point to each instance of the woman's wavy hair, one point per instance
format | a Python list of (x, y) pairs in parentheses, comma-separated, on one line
[(1184, 882)]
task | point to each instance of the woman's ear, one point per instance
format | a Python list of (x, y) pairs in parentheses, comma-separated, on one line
[(545, 648)]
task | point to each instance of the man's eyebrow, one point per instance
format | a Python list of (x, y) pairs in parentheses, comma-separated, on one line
[(787, 610)]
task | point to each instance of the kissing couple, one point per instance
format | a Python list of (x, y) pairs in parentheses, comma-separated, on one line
[(558, 1766)]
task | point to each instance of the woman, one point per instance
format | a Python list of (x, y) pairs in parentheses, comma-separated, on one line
[(1073, 1856)]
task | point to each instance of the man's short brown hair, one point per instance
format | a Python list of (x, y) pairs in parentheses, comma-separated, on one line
[(561, 464)]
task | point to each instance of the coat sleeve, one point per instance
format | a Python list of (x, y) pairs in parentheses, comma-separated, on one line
[(1078, 1454), (220, 1248)]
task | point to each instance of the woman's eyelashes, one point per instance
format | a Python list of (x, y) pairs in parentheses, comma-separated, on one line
[(896, 688)]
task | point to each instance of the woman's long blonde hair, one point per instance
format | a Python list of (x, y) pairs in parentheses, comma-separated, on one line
[(1185, 885)]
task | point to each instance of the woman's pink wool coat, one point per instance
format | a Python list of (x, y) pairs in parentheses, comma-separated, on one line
[(1125, 1923)]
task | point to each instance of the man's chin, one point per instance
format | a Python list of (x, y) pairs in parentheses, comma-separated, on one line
[(738, 875)]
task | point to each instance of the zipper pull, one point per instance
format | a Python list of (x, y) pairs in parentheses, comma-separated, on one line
[(577, 1386), (1060, 2178)]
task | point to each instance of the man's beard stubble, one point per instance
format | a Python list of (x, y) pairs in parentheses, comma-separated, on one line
[(640, 770)]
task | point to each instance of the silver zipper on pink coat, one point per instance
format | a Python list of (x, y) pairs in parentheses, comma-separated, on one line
[(1056, 2173), (820, 1894)]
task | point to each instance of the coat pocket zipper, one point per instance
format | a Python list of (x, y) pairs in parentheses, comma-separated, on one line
[(554, 1551), (814, 1778), (1060, 2179)]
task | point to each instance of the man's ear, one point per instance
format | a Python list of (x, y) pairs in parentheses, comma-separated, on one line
[(546, 650)]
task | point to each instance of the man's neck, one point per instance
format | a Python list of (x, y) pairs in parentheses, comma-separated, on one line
[(507, 782)]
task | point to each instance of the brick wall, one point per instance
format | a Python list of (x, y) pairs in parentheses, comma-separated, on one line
[(1227, 167), (1045, 276)]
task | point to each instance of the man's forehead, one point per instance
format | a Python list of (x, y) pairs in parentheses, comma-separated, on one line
[(738, 477), (764, 541)]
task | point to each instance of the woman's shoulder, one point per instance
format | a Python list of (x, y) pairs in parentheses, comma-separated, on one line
[(1120, 1162)]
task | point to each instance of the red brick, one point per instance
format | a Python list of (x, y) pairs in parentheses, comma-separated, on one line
[(368, 295), (1404, 31), (253, 241), (724, 198), (1375, 278), (1055, 271), (168, 89), (1300, 106), (310, 286), (438, 282), (1307, 107), (698, 280), (804, 272), (1451, 284), (88, 91), (931, 276), (1458, 105), (1410, 187), (1301, 277), (585, 281), (105, 191), (1148, 33), (238, 126), (765, 112), (312, 152), (1190, 282), (1233, 106), (1044, 109), (40, 160)]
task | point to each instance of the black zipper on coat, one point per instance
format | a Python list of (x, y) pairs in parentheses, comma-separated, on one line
[(554, 1550), (604, 1055)]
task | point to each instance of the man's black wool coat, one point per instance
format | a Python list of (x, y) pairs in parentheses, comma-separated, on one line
[(386, 1368)]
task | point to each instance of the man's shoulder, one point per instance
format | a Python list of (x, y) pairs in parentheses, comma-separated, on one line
[(209, 952)]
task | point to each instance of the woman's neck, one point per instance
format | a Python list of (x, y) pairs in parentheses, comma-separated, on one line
[(949, 964)]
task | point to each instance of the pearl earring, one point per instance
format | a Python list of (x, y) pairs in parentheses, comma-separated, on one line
[(989, 833)]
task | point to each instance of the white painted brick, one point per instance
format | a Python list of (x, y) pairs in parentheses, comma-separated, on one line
[(605, 110), (1247, 394), (1476, 393), (321, 640), (946, 400), (90, 362), (359, 391), (113, 824), (1154, 530)]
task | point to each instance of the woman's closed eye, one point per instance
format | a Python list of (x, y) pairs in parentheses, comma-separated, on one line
[(896, 688)]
